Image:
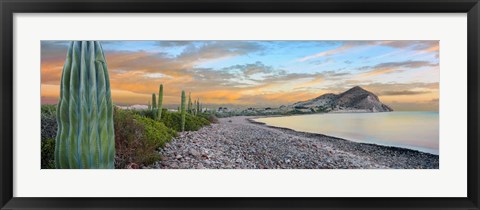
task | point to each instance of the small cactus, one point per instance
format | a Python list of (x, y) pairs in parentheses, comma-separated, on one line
[(194, 110), (183, 110), (189, 109), (149, 106), (198, 106), (160, 102), (154, 101)]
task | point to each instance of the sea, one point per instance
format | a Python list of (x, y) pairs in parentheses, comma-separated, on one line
[(412, 130)]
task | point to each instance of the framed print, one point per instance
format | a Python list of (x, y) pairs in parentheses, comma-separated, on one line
[(239, 105)]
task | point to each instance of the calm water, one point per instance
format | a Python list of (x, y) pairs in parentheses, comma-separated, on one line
[(413, 130)]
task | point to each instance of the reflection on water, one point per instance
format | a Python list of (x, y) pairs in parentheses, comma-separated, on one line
[(413, 130)]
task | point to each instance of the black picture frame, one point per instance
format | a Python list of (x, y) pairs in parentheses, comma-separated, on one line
[(10, 7)]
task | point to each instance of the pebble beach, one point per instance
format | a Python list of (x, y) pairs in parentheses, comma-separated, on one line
[(240, 143)]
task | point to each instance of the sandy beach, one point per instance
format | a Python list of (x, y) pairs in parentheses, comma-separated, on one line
[(239, 143)]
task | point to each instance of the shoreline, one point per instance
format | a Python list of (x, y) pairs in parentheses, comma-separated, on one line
[(241, 143), (252, 120)]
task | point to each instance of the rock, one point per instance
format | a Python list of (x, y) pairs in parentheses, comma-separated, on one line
[(133, 166), (178, 157), (195, 153), (200, 166)]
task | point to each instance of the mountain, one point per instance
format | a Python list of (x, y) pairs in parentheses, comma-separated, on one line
[(355, 99)]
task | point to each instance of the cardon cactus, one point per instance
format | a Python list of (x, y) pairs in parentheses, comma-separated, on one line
[(182, 108), (189, 109), (160, 102), (154, 101), (198, 106), (85, 135)]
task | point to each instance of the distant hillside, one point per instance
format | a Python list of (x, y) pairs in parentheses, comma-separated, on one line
[(355, 99)]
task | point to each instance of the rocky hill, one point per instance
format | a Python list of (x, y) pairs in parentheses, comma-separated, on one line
[(355, 99)]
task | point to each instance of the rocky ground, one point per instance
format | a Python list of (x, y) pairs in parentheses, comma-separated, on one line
[(238, 143)]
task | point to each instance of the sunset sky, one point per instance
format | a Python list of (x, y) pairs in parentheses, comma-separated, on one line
[(404, 74)]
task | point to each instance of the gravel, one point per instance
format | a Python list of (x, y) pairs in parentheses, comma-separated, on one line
[(238, 143)]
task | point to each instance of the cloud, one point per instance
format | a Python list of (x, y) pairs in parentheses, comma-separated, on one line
[(402, 92), (174, 43), (217, 50), (326, 53), (315, 80), (390, 67), (406, 64), (416, 45), (250, 69)]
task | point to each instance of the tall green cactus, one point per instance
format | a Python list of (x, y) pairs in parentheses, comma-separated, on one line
[(198, 106), (85, 134), (160, 102), (189, 109), (154, 101), (193, 109), (182, 107)]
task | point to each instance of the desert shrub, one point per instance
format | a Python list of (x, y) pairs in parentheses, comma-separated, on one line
[(48, 122), (137, 138), (48, 133), (149, 113), (49, 109), (192, 123), (47, 153), (212, 119), (209, 116)]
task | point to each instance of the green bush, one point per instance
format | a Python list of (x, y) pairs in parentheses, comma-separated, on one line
[(137, 138), (49, 109), (209, 116), (212, 119), (48, 122), (48, 126), (48, 151), (192, 123), (149, 113)]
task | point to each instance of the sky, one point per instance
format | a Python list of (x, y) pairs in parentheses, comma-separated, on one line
[(404, 74)]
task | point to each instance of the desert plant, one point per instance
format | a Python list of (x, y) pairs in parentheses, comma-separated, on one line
[(192, 123), (48, 122), (149, 106), (189, 109), (137, 138), (193, 109), (160, 102), (85, 135), (211, 118), (150, 113), (183, 111), (47, 153), (198, 106), (154, 101)]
